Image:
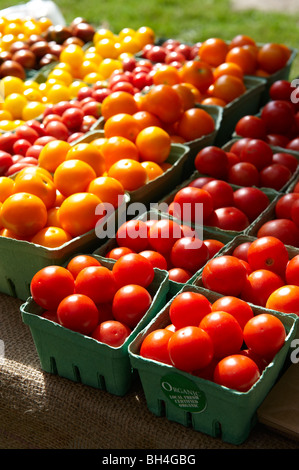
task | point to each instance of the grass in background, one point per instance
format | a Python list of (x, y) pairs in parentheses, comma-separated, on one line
[(189, 21)]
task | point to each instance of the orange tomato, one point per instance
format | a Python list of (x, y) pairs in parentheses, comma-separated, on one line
[(129, 173), (53, 217), (213, 51), (116, 148), (284, 299), (146, 119), (77, 214), (73, 176), (213, 101), (36, 184), (51, 237), (118, 102), (123, 125), (244, 58), (241, 40), (195, 123), (88, 153), (187, 95), (228, 88), (24, 214), (228, 68), (198, 74), (271, 57), (164, 102), (108, 189), (165, 74), (153, 144), (53, 154), (6, 187), (153, 170)]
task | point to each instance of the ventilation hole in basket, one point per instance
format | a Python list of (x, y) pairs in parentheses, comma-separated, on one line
[(189, 419), (12, 288), (53, 366), (162, 407), (217, 429), (101, 382), (77, 374)]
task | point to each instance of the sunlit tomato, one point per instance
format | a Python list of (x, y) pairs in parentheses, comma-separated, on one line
[(275, 176), (257, 152), (278, 116), (97, 282), (268, 253), (283, 229), (194, 124), (236, 372), (164, 102), (155, 345), (192, 204), (179, 275), (292, 271), (238, 308), (188, 309), (156, 259), (163, 234), (251, 126), (37, 184), (228, 87), (198, 74), (133, 234), (50, 285), (284, 299), (251, 201), (130, 304), (117, 252), (77, 263), (222, 193), (224, 274), (272, 57), (190, 348), (133, 269), (111, 332), (264, 334), (228, 218), (212, 161), (225, 332), (78, 313), (213, 246), (259, 285), (244, 174), (189, 253), (241, 251)]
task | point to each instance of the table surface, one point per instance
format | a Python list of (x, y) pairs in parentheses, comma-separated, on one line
[(43, 411)]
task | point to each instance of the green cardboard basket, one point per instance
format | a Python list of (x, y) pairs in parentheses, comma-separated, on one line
[(202, 404), (83, 359)]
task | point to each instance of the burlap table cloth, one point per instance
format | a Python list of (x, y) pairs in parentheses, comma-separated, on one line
[(43, 411)]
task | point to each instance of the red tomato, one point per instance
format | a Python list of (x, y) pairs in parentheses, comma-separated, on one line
[(238, 308), (241, 251), (274, 176), (213, 246), (192, 204), (179, 275), (292, 271), (251, 126), (286, 159), (259, 285), (200, 181), (257, 152), (163, 234), (261, 362), (284, 299), (278, 116), (236, 372), (222, 193), (284, 229), (97, 282), (189, 253), (251, 201), (79, 313), (156, 259), (212, 161), (268, 253), (133, 269), (264, 334), (283, 207), (225, 332), (277, 140), (111, 332), (155, 345), (133, 235), (119, 251), (238, 145), (225, 275), (229, 218), (50, 285), (188, 309), (244, 174), (281, 90), (190, 348), (130, 304), (77, 263), (295, 212)]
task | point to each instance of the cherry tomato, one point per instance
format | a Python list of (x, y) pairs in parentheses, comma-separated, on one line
[(155, 345), (283, 207), (244, 174), (275, 176), (236, 372), (257, 152), (156, 259), (284, 229), (225, 332), (259, 285), (97, 282), (229, 218), (77, 263), (251, 201), (111, 332), (261, 362), (192, 204), (133, 269), (238, 308), (119, 251), (224, 274), (286, 159), (130, 304), (190, 348), (189, 253), (292, 271), (163, 234), (188, 309), (264, 334), (222, 193), (179, 275), (281, 90), (268, 253), (50, 285), (79, 313), (278, 116), (284, 299), (212, 161), (238, 145), (213, 246), (241, 251), (133, 235), (251, 126)]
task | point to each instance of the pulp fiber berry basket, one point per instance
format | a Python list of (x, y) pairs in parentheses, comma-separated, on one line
[(20, 260), (225, 235), (199, 403), (82, 359)]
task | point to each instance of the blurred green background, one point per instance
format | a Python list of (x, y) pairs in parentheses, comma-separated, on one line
[(189, 21)]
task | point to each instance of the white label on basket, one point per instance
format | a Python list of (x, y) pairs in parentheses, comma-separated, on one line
[(183, 393)]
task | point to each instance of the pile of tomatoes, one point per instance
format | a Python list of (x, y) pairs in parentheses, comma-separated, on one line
[(71, 296), (223, 341)]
